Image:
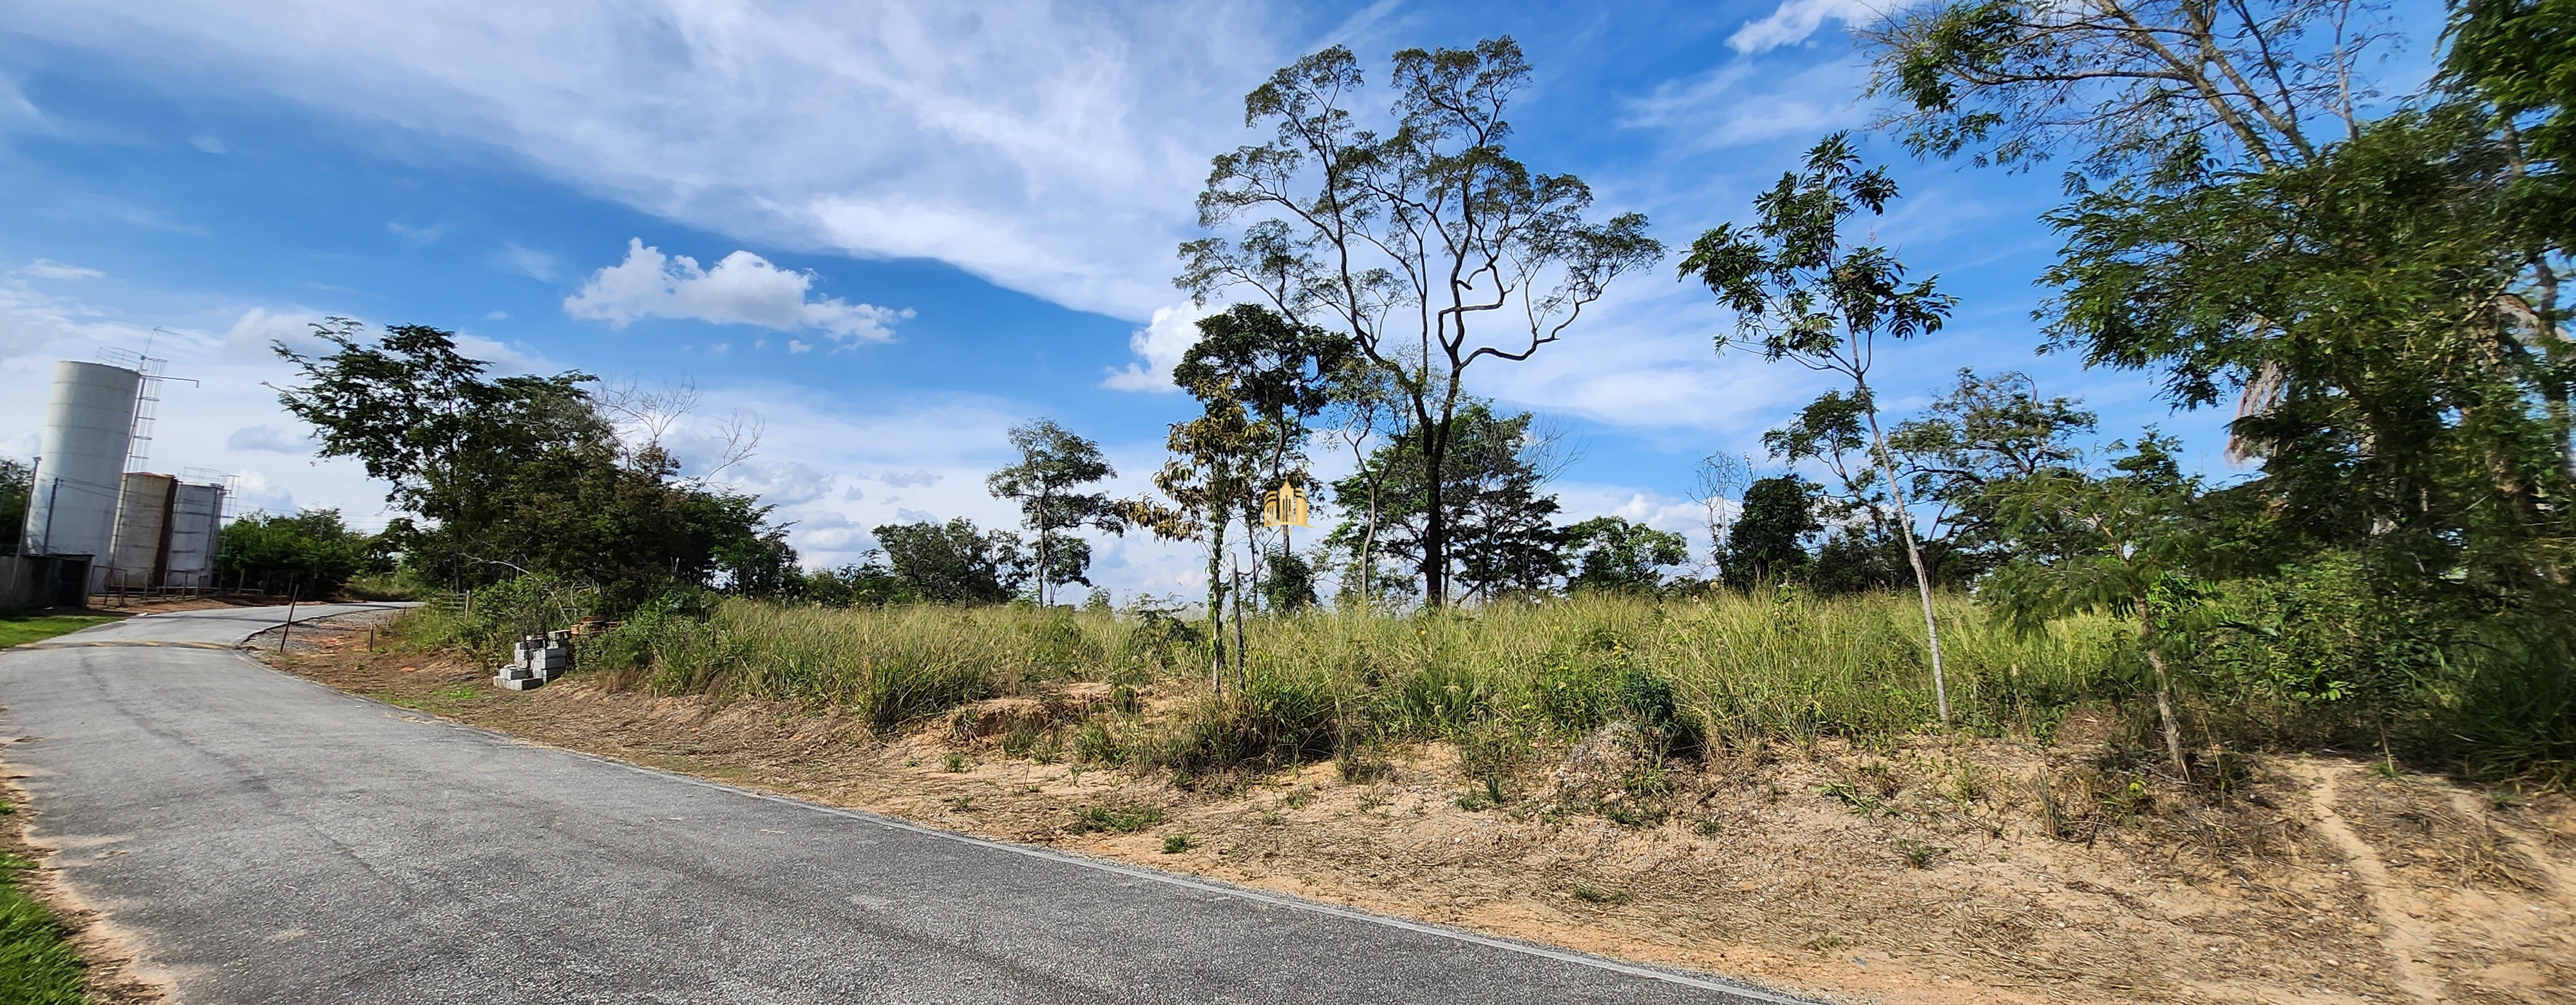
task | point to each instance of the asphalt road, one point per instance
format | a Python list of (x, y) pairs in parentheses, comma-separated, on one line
[(265, 839)]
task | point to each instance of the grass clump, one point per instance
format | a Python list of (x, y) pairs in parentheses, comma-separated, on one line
[(1127, 819), (36, 966)]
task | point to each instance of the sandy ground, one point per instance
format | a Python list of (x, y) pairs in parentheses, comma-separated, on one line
[(111, 977), (1938, 872)]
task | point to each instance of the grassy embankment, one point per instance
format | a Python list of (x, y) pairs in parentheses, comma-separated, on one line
[(17, 628), (1690, 677), (36, 966)]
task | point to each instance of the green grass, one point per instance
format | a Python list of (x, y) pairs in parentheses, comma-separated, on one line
[(36, 967), (1333, 685), (19, 629)]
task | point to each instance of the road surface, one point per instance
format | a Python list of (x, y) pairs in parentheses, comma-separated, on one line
[(266, 839)]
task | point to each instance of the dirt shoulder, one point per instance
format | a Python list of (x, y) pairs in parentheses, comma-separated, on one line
[(109, 974), (1931, 872)]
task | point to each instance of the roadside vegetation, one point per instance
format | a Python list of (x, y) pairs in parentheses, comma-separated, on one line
[(37, 967), (17, 628)]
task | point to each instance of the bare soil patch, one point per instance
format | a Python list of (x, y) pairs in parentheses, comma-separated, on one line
[(1935, 871)]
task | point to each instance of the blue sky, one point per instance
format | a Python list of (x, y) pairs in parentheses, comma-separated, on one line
[(909, 225)]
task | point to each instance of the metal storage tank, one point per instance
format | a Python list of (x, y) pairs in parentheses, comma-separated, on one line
[(81, 463), (134, 559), (196, 528)]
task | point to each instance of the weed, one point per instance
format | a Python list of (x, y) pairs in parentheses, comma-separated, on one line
[(461, 692), (1710, 826), (1596, 895), (1118, 819), (1176, 844), (962, 804), (1821, 943), (1018, 742), (953, 763), (1916, 853), (1476, 802), (1860, 802), (1361, 764), (1299, 796)]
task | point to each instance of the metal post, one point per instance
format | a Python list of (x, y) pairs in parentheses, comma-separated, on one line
[(289, 628)]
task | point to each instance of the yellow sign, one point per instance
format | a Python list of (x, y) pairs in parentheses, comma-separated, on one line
[(1285, 507)]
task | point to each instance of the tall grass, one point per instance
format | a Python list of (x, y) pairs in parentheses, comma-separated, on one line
[(1314, 685)]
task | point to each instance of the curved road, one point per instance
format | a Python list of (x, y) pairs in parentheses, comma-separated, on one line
[(266, 839)]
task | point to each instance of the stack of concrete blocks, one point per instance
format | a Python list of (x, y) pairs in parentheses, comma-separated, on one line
[(536, 660)]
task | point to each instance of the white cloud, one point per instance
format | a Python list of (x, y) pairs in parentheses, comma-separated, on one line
[(265, 439), (908, 479), (1793, 21), (207, 144), (799, 345), (1051, 148), (416, 236), (1746, 102), (496, 315), (1158, 347), (743, 288), (916, 516), (527, 262), (46, 268)]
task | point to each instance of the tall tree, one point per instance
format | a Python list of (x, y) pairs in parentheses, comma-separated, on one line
[(1973, 444), (1500, 518), (1427, 245), (953, 562), (1767, 541), (1280, 373), (1799, 294), (1615, 555), (1055, 465)]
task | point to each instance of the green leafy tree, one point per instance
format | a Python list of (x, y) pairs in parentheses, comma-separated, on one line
[(1427, 246), (1970, 447), (1280, 374), (1799, 294), (312, 553), (952, 562), (17, 480), (1767, 542), (2134, 535), (1614, 555), (497, 477), (1055, 465)]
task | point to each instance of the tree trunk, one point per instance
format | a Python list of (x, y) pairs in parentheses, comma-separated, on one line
[(1904, 521), (1435, 519), (1217, 518), (2164, 690)]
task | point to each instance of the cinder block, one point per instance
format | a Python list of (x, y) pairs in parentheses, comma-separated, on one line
[(519, 683)]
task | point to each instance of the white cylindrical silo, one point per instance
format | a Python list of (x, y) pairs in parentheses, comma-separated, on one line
[(81, 472), (196, 531)]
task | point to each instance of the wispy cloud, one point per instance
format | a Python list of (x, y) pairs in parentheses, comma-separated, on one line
[(1794, 21), (46, 268), (527, 262), (743, 288)]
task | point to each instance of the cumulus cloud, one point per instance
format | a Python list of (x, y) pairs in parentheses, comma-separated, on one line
[(916, 516), (1794, 21), (743, 288), (908, 479), (46, 268), (1158, 347), (265, 439)]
